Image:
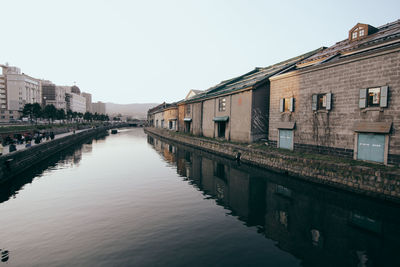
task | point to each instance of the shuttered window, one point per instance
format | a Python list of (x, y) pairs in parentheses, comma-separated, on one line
[(281, 105), (314, 104), (321, 102), (384, 96), (374, 97), (286, 104), (291, 104), (363, 98)]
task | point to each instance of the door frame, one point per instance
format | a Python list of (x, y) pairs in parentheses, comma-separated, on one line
[(386, 149), (279, 134)]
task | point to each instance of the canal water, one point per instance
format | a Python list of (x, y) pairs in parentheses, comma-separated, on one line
[(133, 200)]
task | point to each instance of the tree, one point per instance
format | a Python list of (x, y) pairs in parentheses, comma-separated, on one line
[(50, 112), (69, 115), (32, 111), (36, 110), (60, 114), (88, 116)]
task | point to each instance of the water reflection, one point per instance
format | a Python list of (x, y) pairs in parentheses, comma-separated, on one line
[(319, 225), (67, 158)]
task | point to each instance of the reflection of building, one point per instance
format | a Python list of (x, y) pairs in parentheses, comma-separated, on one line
[(99, 108), (320, 226)]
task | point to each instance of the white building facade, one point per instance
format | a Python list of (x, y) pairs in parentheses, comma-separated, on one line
[(76, 103)]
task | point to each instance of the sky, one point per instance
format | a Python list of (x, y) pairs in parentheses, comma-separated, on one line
[(155, 51)]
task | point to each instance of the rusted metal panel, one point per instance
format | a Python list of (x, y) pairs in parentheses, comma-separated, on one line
[(286, 125), (372, 127)]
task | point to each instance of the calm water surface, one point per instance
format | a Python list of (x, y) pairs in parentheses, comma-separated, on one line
[(132, 200)]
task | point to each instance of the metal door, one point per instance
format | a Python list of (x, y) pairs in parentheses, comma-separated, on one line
[(286, 139), (371, 147)]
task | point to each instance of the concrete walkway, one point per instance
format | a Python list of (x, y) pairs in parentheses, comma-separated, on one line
[(6, 149)]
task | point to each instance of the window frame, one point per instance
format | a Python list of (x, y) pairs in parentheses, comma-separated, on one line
[(222, 104), (370, 97)]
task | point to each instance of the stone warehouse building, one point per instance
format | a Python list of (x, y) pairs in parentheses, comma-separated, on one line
[(235, 109), (344, 100)]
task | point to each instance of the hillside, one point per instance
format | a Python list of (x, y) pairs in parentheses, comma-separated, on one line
[(138, 110)]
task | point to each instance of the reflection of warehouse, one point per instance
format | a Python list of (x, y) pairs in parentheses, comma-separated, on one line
[(316, 224)]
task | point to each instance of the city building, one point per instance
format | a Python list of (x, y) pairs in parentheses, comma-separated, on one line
[(344, 100), (171, 117), (99, 108), (16, 90), (88, 98), (75, 102), (54, 95)]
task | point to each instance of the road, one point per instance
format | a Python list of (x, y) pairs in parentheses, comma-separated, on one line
[(6, 149)]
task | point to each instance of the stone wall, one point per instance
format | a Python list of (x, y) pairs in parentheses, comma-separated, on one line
[(344, 78), (16, 162), (375, 180)]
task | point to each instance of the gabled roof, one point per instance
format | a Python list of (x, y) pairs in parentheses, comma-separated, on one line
[(193, 93), (250, 79), (384, 36)]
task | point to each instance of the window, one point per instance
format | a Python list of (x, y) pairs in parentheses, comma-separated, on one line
[(361, 32), (286, 105), (222, 104), (322, 101), (187, 109), (374, 97), (354, 36)]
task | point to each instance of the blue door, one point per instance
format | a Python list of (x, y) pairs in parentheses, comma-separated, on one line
[(371, 147), (286, 139)]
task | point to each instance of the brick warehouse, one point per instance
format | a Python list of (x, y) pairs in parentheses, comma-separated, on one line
[(344, 100)]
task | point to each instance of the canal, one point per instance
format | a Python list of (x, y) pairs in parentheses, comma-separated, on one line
[(133, 200)]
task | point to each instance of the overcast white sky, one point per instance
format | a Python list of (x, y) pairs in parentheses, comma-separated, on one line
[(155, 51)]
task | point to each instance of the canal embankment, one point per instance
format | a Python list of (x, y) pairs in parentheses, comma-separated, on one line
[(18, 161), (360, 177)]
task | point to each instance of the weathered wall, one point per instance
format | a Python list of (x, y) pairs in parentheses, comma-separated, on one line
[(226, 112), (158, 117), (208, 115), (181, 116), (197, 118), (170, 114), (259, 112), (20, 160), (334, 128), (381, 182), (240, 116)]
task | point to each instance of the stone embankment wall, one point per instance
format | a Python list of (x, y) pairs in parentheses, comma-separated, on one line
[(16, 162), (374, 180)]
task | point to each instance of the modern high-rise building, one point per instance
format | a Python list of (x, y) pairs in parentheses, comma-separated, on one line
[(88, 98), (75, 102), (16, 90), (99, 108), (53, 95)]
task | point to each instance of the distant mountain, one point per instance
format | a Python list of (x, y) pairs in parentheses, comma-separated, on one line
[(138, 111)]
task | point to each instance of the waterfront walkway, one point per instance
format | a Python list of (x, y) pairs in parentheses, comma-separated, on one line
[(6, 149)]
